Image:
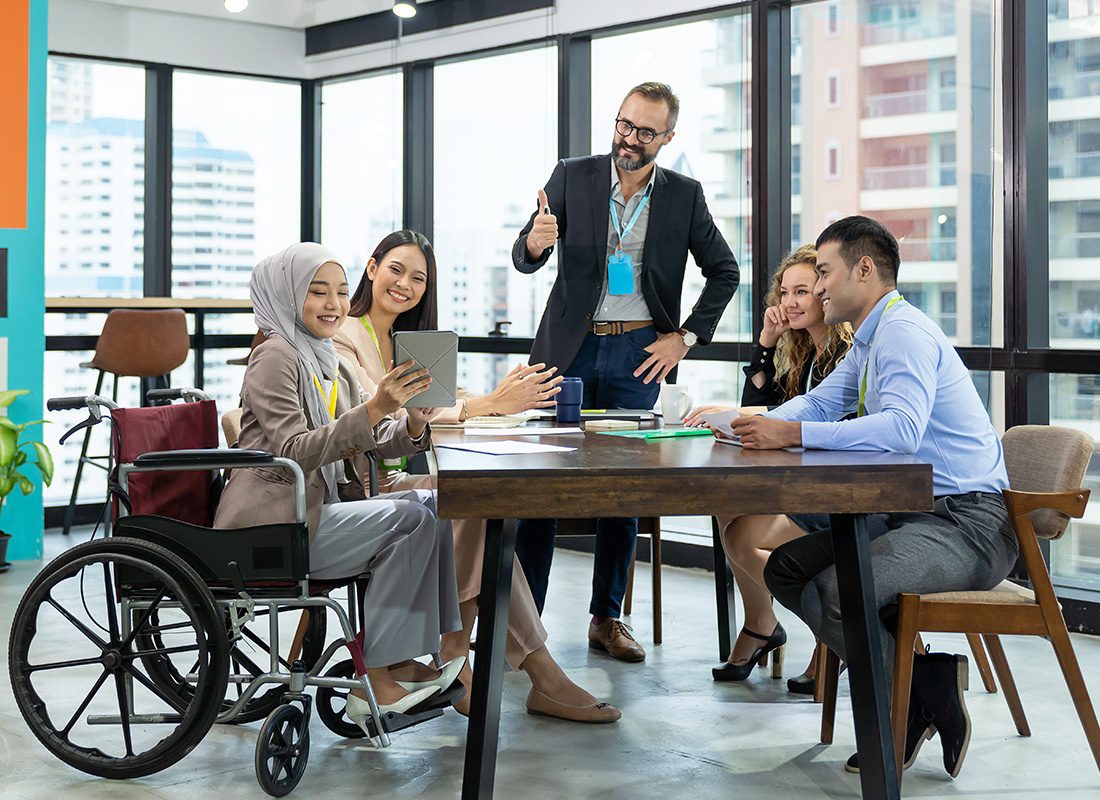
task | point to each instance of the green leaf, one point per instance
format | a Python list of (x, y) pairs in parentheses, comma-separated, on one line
[(8, 397), (25, 483), (20, 458), (7, 483), (5, 422), (44, 463), (8, 443), (33, 422)]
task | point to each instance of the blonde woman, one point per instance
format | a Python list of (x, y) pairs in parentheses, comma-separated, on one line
[(796, 351)]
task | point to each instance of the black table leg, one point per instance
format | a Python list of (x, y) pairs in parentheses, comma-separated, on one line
[(724, 595), (870, 704), (492, 629)]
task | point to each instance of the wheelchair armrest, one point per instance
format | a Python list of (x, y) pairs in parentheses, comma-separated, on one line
[(205, 459), (195, 460)]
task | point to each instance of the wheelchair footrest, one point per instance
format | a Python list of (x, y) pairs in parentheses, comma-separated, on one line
[(445, 699), (394, 722)]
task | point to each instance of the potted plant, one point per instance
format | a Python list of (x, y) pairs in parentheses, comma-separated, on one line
[(14, 459)]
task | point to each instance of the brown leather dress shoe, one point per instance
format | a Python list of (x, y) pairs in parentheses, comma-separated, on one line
[(545, 706), (615, 639)]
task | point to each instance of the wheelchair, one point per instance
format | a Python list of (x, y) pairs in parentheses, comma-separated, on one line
[(157, 619)]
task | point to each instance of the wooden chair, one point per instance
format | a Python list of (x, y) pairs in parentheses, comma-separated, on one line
[(1046, 466), (647, 526)]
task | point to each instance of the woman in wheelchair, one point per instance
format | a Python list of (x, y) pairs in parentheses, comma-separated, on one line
[(300, 403), (398, 292)]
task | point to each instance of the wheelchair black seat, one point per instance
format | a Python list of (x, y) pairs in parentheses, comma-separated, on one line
[(260, 556)]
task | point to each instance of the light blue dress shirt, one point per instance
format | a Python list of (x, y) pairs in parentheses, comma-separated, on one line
[(920, 401)]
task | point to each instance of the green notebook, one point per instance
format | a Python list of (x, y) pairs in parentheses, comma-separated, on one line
[(659, 433)]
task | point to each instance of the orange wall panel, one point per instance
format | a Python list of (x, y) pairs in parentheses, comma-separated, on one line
[(14, 49)]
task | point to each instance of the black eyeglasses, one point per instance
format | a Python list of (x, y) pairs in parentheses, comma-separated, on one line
[(645, 135)]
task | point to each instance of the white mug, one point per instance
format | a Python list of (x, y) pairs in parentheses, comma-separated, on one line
[(675, 403)]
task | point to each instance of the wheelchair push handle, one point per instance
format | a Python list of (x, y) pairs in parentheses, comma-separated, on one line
[(92, 402), (186, 393), (65, 403)]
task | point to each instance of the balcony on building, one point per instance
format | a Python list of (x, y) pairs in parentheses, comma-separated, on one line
[(910, 29)]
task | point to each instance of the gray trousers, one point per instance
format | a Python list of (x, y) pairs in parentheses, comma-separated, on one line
[(412, 597), (965, 543)]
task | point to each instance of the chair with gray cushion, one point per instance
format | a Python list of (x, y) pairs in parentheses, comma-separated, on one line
[(1046, 466)]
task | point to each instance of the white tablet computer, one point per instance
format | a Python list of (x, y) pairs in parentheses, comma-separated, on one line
[(436, 351)]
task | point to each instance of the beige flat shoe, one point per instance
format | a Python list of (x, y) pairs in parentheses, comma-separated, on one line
[(542, 705)]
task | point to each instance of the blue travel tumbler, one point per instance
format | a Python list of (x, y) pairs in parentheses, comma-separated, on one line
[(569, 400)]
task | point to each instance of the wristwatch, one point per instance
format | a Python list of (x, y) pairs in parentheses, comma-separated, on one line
[(690, 339)]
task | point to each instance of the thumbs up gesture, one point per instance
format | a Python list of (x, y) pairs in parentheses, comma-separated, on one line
[(544, 230)]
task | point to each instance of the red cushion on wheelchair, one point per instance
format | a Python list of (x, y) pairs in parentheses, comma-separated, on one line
[(185, 496)]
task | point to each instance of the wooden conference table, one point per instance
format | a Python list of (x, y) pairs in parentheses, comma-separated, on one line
[(614, 476)]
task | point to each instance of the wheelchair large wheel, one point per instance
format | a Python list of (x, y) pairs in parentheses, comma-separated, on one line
[(77, 674), (282, 750), (249, 657)]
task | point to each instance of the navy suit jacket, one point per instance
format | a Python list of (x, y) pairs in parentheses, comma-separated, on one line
[(679, 222)]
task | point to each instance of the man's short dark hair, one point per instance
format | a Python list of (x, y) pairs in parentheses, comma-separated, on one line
[(863, 236), (659, 93)]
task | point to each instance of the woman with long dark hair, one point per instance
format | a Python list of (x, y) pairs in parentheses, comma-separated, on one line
[(398, 293)]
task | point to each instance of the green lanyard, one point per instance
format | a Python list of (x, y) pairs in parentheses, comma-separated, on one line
[(394, 464), (374, 338), (862, 411)]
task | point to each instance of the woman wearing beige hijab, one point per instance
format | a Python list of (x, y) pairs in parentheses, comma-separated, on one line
[(299, 403), (398, 292)]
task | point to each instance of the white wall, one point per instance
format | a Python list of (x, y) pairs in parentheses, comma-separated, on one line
[(99, 29), (116, 31)]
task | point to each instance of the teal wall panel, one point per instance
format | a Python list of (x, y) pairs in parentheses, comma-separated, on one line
[(24, 325)]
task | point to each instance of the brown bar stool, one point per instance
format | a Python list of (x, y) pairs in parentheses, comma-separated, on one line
[(134, 344)]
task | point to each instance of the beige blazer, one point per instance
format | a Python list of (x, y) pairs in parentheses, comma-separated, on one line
[(273, 419)]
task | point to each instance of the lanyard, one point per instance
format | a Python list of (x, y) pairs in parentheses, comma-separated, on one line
[(331, 401), (862, 411), (630, 225), (374, 338), (396, 464)]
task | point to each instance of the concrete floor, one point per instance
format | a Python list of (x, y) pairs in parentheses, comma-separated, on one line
[(682, 735)]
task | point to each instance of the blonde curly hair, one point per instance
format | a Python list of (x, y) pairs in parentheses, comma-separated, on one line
[(795, 347)]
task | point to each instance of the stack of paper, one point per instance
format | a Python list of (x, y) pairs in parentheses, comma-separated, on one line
[(523, 432), (506, 448)]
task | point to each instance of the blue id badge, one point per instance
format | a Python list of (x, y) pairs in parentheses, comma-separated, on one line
[(620, 274)]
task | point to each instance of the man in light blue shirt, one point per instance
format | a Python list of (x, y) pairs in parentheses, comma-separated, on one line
[(909, 393)]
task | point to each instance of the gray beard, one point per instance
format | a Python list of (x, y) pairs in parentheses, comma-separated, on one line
[(631, 165)]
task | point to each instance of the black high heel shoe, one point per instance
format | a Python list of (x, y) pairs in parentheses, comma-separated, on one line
[(773, 643)]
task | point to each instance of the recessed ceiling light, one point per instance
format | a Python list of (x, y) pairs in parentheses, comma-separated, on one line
[(404, 8), (236, 6)]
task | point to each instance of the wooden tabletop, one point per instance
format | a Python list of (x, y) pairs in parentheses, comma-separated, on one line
[(109, 303), (618, 476)]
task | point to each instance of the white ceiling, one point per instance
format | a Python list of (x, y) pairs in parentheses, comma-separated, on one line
[(283, 13)]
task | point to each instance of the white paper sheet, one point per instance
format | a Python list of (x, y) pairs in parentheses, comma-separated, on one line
[(507, 448), (521, 431)]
